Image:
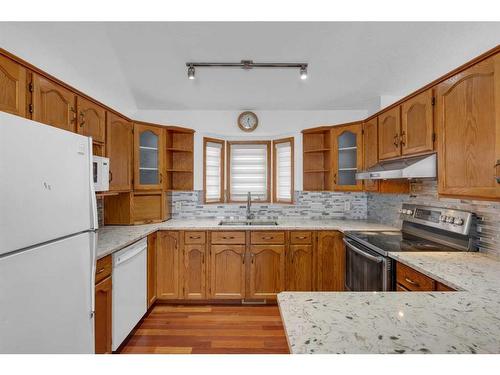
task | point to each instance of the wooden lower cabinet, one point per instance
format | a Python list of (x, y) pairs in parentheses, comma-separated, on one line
[(411, 280), (102, 318), (152, 245), (227, 271), (194, 271), (299, 268), (168, 265), (266, 271), (330, 261)]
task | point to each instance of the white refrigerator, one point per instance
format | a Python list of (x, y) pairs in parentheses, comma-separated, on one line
[(48, 223)]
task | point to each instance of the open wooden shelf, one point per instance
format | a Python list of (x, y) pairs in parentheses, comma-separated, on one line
[(317, 159), (179, 157)]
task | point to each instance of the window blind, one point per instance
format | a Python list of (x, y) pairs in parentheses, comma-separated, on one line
[(283, 173), (213, 170), (248, 171)]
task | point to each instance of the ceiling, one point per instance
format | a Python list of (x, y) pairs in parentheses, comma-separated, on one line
[(141, 66)]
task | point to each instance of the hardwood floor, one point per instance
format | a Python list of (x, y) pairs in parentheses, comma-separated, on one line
[(217, 329)]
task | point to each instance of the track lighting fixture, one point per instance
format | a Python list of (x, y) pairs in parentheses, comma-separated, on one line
[(191, 72), (247, 65)]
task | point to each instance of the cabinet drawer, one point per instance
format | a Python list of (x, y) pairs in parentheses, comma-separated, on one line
[(103, 268), (299, 238), (267, 237), (443, 287), (413, 280), (194, 238), (228, 238)]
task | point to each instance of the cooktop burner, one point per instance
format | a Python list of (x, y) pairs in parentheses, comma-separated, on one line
[(384, 242)]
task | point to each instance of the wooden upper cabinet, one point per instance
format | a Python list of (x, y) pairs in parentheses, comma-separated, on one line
[(13, 84), (227, 271), (468, 131), (119, 143), (267, 271), (299, 268), (194, 271), (149, 147), (347, 156), (53, 104), (330, 260), (417, 125), (389, 125), (370, 150), (167, 265), (91, 120)]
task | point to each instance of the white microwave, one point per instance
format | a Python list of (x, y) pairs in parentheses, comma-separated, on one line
[(100, 173)]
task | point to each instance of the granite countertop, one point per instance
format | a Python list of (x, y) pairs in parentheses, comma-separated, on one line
[(466, 321), (113, 238)]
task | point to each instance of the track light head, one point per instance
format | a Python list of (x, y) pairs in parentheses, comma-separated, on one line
[(191, 72), (303, 72)]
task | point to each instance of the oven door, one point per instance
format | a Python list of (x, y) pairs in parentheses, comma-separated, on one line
[(366, 270)]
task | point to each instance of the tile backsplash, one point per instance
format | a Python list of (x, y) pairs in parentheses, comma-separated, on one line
[(384, 208), (316, 205)]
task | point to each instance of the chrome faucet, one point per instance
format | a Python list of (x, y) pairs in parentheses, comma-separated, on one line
[(250, 216)]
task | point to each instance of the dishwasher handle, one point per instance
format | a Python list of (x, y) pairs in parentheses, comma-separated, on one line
[(124, 256)]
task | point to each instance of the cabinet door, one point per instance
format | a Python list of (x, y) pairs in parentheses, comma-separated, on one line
[(91, 120), (167, 265), (119, 140), (103, 316), (152, 245), (267, 271), (13, 85), (348, 157), (388, 134), (300, 268), (53, 104), (417, 125), (194, 272), (330, 261), (370, 150), (227, 271), (148, 157), (468, 126)]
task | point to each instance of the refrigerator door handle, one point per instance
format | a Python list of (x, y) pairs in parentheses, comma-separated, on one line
[(93, 200), (93, 256)]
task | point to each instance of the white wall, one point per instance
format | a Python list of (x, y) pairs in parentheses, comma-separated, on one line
[(272, 124)]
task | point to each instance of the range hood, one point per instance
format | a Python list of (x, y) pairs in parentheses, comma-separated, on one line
[(411, 167)]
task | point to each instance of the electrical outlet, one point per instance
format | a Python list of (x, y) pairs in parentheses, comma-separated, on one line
[(347, 206), (178, 206)]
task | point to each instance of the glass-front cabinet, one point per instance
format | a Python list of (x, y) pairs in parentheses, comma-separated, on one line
[(148, 157), (347, 156)]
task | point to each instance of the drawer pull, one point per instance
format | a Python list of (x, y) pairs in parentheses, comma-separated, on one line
[(195, 237), (100, 271), (301, 237), (409, 281), (268, 238), (228, 238)]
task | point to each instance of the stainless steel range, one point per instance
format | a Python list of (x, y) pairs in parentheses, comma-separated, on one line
[(368, 265)]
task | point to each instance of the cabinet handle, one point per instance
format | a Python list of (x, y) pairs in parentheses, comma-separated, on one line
[(403, 139), (252, 256), (409, 281), (194, 237), (228, 238), (72, 109), (100, 271), (161, 177), (335, 178), (268, 238), (396, 143), (301, 237), (243, 258), (110, 176), (82, 122)]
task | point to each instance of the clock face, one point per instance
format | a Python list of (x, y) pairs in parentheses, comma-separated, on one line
[(248, 121)]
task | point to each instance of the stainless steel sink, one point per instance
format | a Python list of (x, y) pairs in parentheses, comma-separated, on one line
[(247, 222)]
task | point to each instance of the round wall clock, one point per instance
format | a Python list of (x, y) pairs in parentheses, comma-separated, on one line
[(248, 121)]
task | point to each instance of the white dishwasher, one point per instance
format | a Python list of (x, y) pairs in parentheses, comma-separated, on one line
[(129, 289)]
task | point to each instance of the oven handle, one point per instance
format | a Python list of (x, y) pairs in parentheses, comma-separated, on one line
[(361, 252)]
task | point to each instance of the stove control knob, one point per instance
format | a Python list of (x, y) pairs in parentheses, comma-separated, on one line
[(442, 218), (450, 219), (401, 211), (458, 221), (409, 212)]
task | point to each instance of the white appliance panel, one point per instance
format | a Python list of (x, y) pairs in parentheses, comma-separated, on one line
[(46, 190), (129, 290), (46, 298)]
